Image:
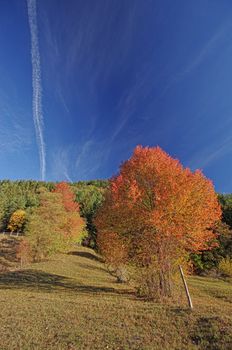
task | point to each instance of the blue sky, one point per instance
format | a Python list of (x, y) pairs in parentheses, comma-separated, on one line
[(107, 75)]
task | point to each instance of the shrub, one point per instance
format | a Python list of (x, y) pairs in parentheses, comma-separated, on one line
[(225, 266), (17, 221)]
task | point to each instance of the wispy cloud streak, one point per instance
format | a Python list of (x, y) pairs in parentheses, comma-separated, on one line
[(36, 84), (210, 154), (62, 164), (209, 48)]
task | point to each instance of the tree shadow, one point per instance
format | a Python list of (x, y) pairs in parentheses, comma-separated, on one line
[(211, 333), (180, 310), (35, 280), (93, 267), (87, 255)]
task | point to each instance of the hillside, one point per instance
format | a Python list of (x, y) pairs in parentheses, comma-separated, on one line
[(71, 302)]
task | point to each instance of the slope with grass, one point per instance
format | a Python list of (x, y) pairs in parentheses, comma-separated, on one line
[(71, 302), (8, 247)]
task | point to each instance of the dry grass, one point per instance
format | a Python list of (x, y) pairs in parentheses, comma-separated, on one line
[(8, 258), (71, 302)]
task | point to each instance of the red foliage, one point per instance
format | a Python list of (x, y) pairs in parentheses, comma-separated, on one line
[(112, 248), (74, 224), (68, 196), (154, 202)]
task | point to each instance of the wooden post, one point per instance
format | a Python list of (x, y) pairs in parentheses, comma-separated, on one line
[(186, 288)]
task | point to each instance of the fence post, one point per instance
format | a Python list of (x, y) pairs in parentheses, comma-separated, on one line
[(186, 288)]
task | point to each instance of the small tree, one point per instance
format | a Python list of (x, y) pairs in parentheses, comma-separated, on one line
[(24, 252), (17, 221), (44, 229), (74, 224)]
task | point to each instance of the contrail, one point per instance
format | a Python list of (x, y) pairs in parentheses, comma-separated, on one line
[(36, 85)]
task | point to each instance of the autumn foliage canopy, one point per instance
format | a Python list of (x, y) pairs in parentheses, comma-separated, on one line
[(155, 206), (68, 197)]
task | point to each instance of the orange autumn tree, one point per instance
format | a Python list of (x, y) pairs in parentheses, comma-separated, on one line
[(74, 224), (159, 211)]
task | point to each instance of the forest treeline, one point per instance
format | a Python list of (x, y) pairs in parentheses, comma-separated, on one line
[(25, 195)]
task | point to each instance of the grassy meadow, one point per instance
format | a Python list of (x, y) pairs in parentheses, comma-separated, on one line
[(71, 302)]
